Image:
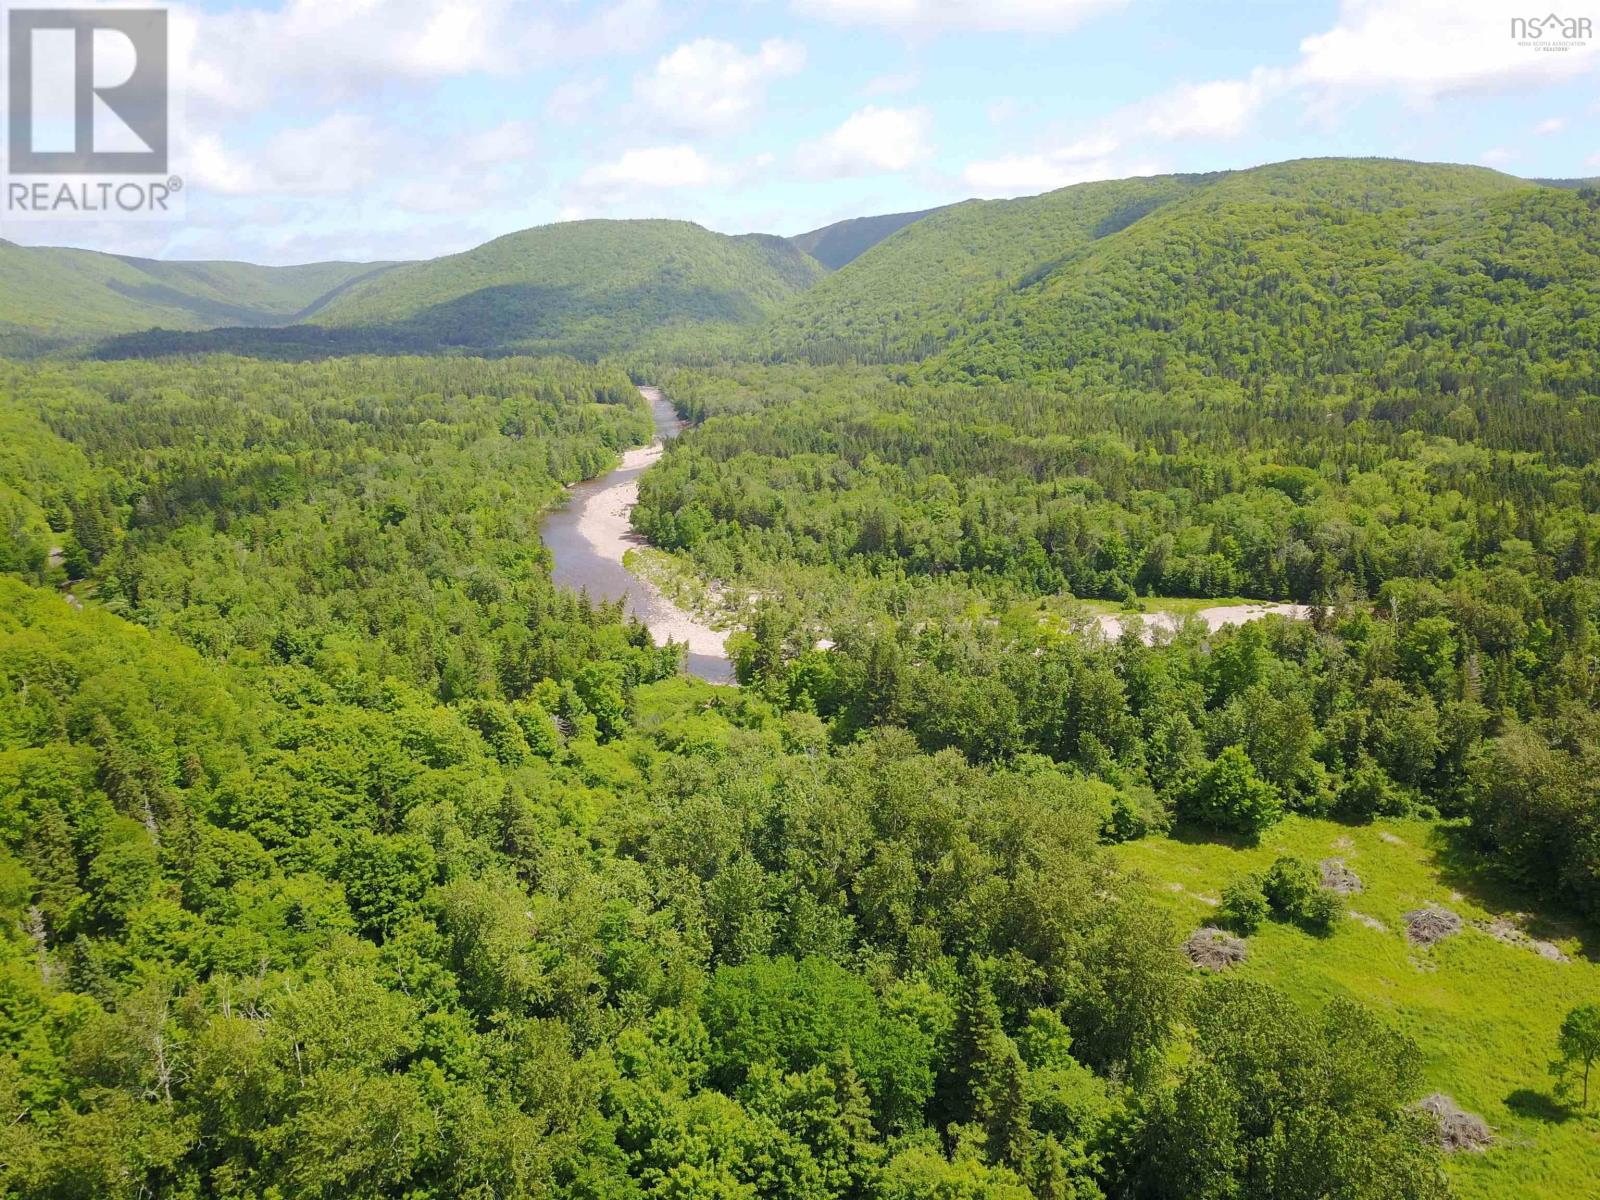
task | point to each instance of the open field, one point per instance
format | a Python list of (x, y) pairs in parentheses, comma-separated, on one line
[(1484, 1012)]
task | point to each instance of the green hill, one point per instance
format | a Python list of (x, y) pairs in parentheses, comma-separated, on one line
[(843, 242), (584, 286), (1441, 279), (51, 297), (1006, 289), (908, 295), (994, 289)]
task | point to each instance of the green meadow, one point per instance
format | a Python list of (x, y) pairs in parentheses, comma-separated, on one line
[(1484, 1012)]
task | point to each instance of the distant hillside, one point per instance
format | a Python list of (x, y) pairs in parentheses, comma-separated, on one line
[(1299, 252), (908, 295), (845, 241), (582, 287), (51, 297), (993, 289), (1328, 274)]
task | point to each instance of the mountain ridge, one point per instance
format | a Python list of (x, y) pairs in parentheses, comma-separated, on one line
[(899, 287)]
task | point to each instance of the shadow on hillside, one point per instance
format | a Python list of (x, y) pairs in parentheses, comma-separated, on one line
[(290, 343), (504, 319), (1538, 1106), (218, 311), (494, 317), (1463, 867)]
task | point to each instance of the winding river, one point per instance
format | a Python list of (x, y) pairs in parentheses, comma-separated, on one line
[(589, 535)]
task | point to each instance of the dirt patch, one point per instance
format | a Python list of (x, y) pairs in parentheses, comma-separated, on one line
[(1385, 836), (1369, 922), (1429, 926), (1213, 949), (1458, 1130), (1505, 929), (1338, 878)]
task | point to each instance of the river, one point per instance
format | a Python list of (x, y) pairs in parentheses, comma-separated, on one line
[(590, 533)]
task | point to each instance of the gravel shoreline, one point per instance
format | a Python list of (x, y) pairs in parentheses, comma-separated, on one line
[(603, 522)]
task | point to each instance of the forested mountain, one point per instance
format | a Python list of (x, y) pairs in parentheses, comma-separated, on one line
[(51, 297), (999, 289), (585, 286), (1018, 285), (915, 290), (1323, 274), (845, 241)]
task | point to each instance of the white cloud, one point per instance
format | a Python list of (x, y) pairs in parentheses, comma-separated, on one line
[(707, 86), (1220, 109), (246, 59), (871, 141), (1550, 125), (1420, 49), (212, 165), (989, 16), (340, 153), (654, 167), (348, 153), (1025, 174), (1498, 156), (510, 140), (1430, 48), (491, 164)]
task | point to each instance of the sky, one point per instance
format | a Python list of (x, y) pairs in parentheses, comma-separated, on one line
[(384, 129)]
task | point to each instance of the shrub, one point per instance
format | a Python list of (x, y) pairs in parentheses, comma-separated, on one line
[(1230, 795), (1244, 904), (1293, 887), (1289, 885), (1135, 813), (1369, 792), (1321, 911)]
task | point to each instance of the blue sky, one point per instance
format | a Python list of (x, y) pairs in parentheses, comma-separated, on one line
[(371, 129)]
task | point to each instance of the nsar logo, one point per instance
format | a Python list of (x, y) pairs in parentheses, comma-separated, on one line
[(1552, 32)]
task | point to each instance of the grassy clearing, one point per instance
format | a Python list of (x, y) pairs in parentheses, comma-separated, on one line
[(1484, 1012)]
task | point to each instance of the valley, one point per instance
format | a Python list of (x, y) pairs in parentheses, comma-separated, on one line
[(1165, 621), (590, 534)]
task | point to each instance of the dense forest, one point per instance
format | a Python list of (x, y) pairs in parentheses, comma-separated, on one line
[(375, 864), (344, 855), (924, 531)]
